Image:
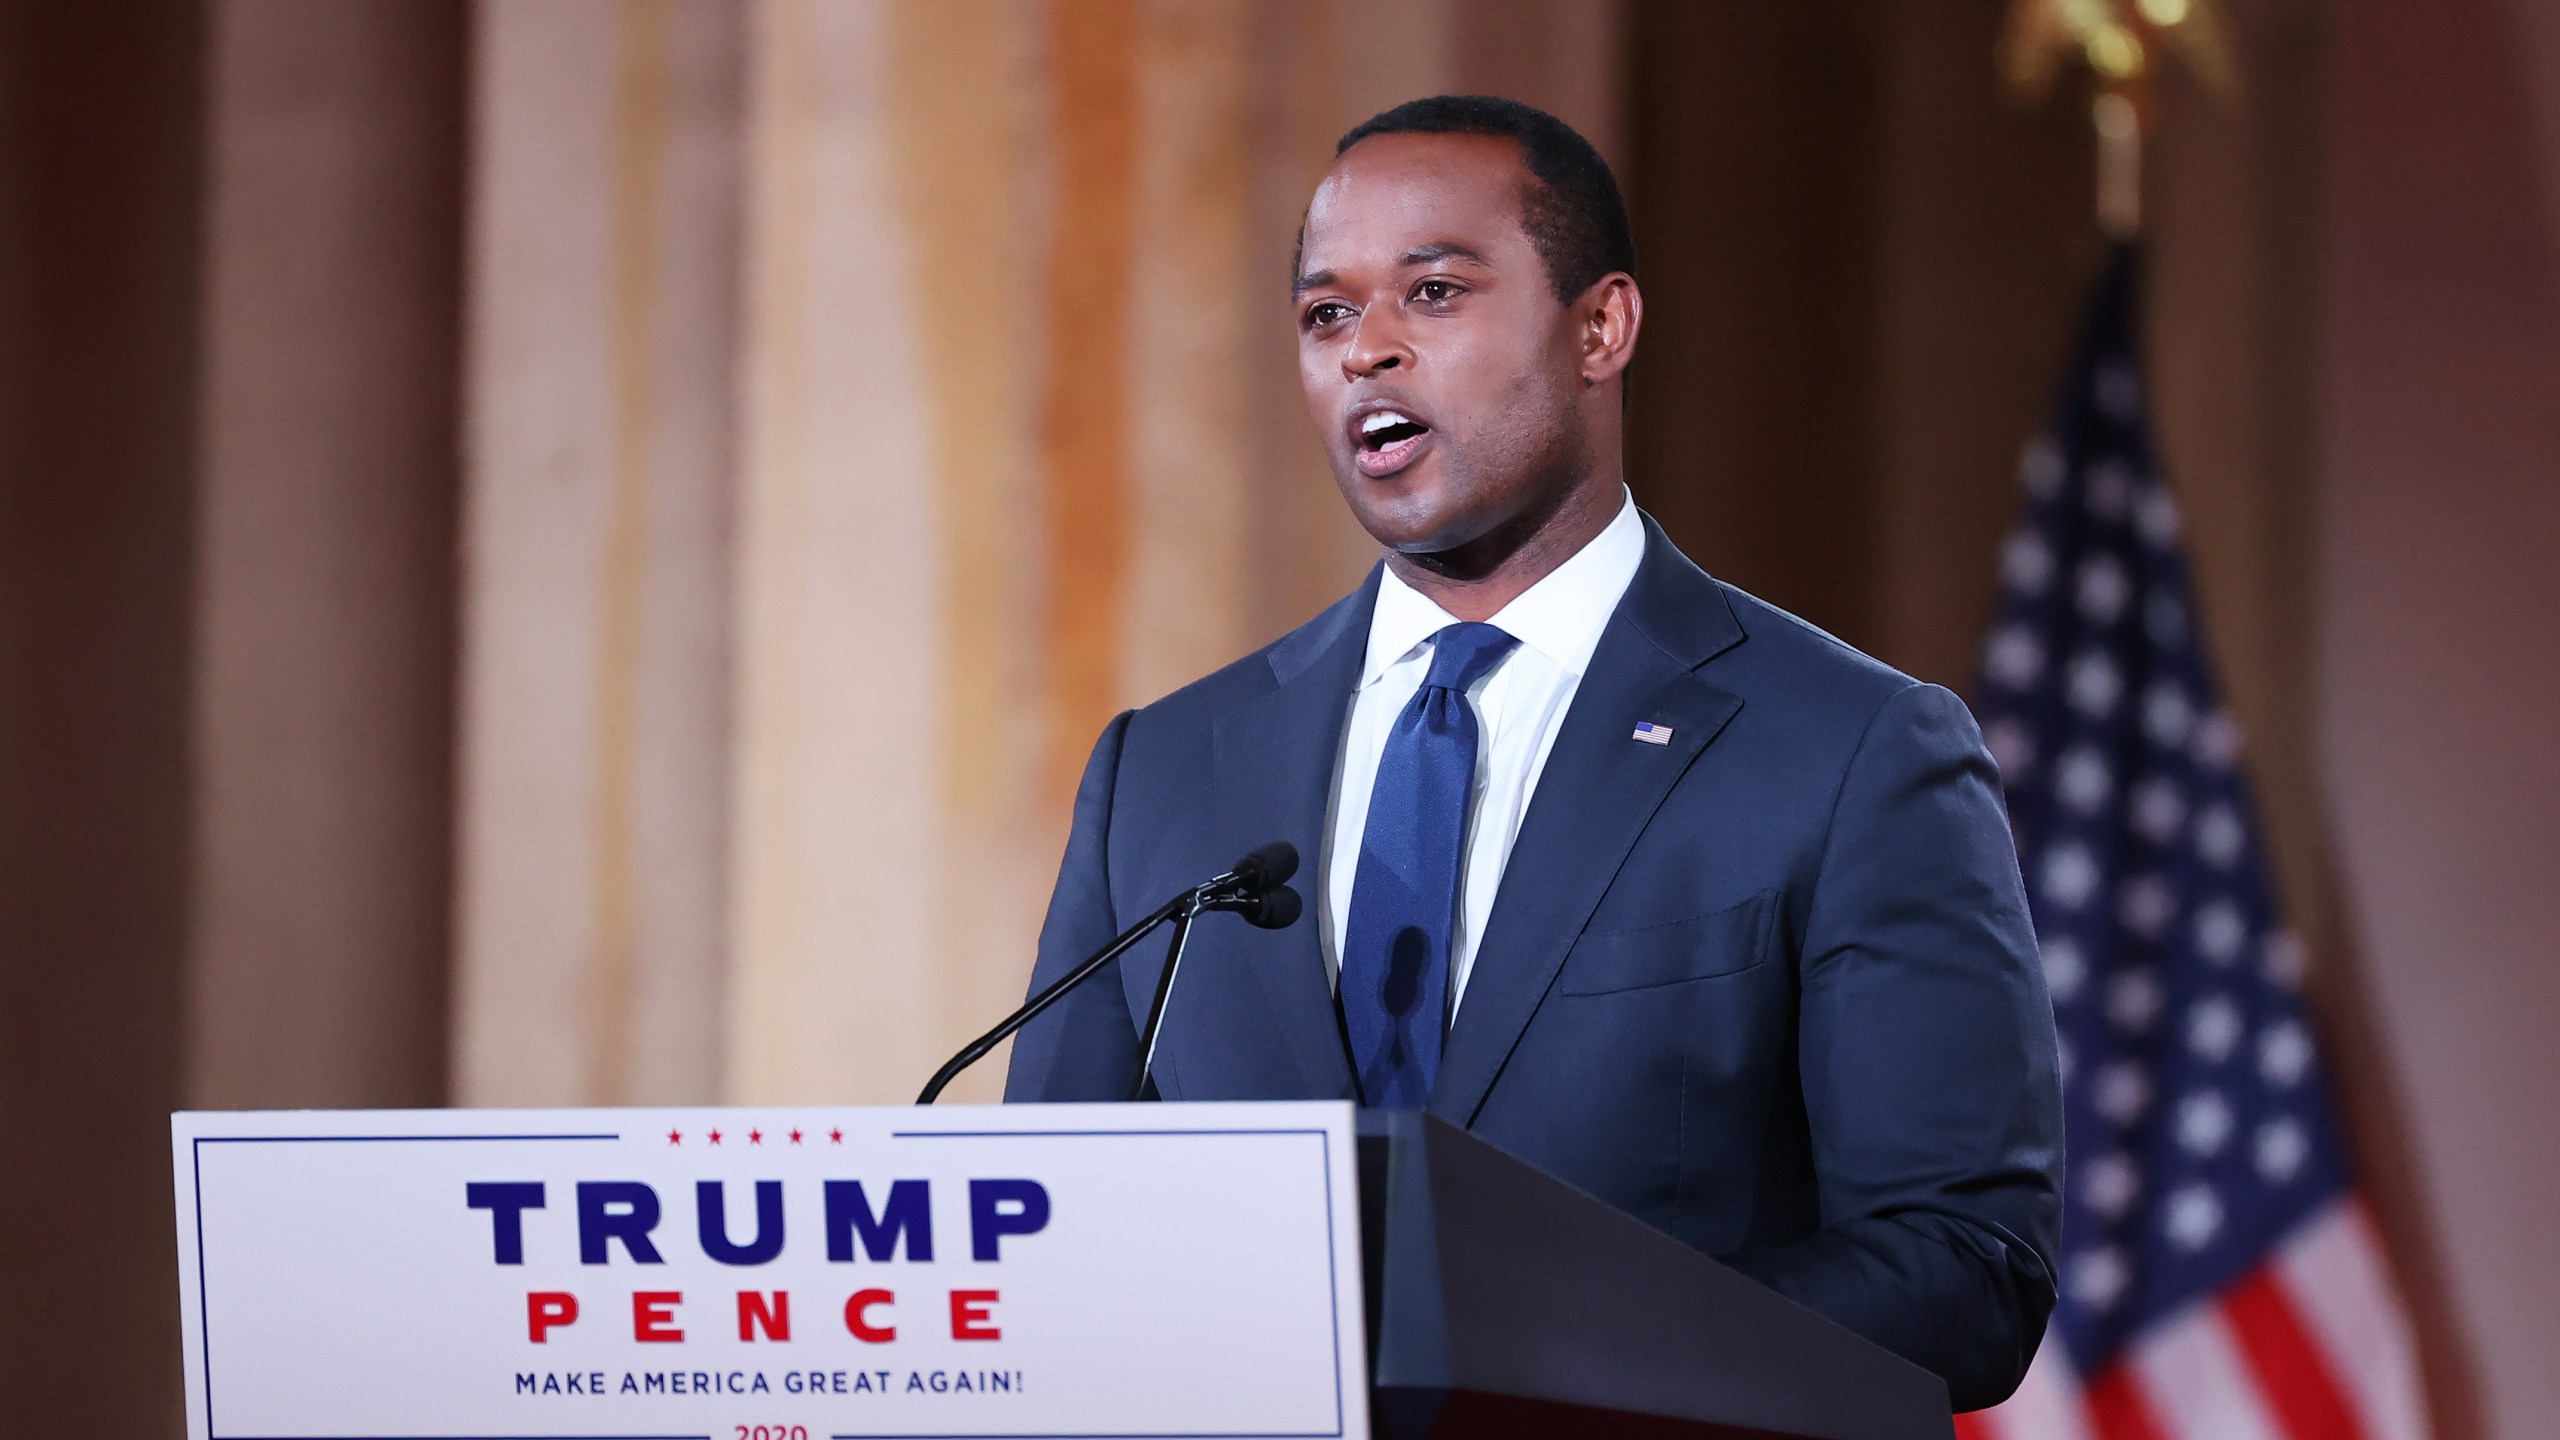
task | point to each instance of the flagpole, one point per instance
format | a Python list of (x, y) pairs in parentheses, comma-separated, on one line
[(2119, 130)]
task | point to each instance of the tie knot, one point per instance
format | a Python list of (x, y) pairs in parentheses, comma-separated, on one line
[(1462, 653)]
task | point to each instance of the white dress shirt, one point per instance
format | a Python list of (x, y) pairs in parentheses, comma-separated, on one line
[(1520, 705)]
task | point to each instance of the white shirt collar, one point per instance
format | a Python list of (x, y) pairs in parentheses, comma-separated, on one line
[(1560, 617)]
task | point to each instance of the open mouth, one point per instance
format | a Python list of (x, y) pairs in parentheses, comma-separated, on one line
[(1386, 441)]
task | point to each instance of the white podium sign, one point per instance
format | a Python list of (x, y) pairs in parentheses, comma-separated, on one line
[(1028, 1271)]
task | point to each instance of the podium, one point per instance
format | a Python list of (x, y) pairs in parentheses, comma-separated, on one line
[(1285, 1271), (1502, 1302)]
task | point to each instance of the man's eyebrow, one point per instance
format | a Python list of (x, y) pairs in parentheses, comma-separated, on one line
[(1431, 254), (1444, 250), (1305, 283)]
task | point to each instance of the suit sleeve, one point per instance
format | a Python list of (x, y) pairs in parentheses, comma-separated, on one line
[(1927, 1053), (1085, 1046)]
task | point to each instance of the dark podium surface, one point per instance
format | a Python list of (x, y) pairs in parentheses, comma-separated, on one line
[(1503, 1301)]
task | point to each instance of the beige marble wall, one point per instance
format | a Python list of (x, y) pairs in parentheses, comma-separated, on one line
[(601, 409), (841, 662)]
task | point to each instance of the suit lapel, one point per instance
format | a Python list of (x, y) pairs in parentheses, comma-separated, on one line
[(1598, 791), (1273, 770)]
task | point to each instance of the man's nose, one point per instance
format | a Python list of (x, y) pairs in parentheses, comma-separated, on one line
[(1377, 343)]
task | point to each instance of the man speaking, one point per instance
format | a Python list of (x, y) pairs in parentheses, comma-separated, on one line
[(1637, 877)]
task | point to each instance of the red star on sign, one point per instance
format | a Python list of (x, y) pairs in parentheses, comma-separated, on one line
[(715, 1137), (835, 1137), (675, 1137), (755, 1137), (795, 1137)]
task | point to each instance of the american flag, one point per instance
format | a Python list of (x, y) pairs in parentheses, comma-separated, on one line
[(2220, 1275)]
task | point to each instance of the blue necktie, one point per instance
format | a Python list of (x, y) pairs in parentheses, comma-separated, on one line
[(1404, 897)]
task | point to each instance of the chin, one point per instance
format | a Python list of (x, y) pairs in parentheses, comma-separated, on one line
[(1422, 529), (1414, 514)]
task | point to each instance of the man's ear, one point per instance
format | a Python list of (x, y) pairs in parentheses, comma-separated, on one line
[(1612, 311)]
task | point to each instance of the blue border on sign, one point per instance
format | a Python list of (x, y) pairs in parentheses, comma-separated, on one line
[(1333, 1285), (1333, 1293)]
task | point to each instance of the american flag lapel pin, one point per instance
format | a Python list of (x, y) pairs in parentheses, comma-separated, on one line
[(1653, 734)]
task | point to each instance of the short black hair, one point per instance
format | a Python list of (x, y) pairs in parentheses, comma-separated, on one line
[(1572, 212)]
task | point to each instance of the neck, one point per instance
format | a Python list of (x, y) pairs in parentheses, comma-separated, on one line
[(1475, 580)]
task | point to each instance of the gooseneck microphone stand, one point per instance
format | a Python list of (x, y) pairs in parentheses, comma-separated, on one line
[(1273, 907), (1254, 888)]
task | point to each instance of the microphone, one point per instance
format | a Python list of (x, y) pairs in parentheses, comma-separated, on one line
[(1264, 867), (1273, 909), (1253, 888)]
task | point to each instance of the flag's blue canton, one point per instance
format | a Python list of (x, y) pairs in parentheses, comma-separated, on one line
[(2197, 1124)]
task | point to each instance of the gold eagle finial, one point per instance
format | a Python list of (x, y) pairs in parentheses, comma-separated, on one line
[(2118, 40)]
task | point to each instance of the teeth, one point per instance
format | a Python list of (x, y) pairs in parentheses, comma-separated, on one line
[(1380, 420)]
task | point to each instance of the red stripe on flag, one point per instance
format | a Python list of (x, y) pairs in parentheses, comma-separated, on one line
[(2286, 1361), (1974, 1425), (2117, 1410)]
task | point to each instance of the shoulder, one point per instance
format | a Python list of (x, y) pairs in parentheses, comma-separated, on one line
[(1813, 704), (1792, 665), (1827, 706), (1784, 668)]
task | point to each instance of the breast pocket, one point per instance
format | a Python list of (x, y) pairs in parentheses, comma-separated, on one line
[(1719, 942)]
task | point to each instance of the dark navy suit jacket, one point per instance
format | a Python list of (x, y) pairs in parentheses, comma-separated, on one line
[(1770, 987)]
